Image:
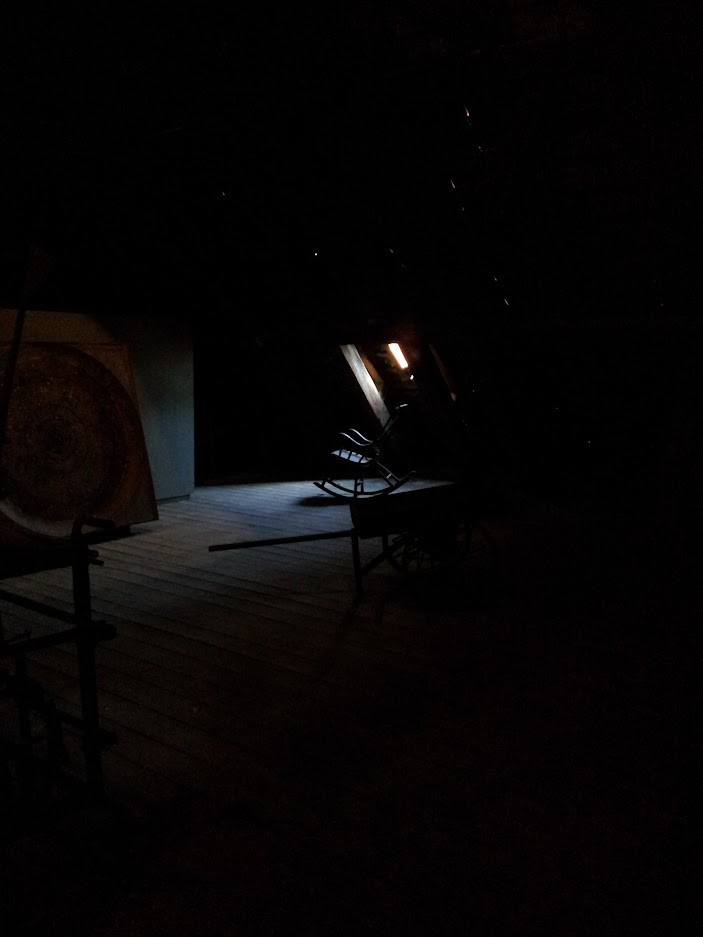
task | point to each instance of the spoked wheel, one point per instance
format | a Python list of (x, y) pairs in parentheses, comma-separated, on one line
[(462, 546), (480, 551)]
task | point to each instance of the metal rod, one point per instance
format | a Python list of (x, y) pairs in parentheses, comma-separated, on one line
[(35, 606), (245, 544), (87, 673), (102, 631), (357, 562)]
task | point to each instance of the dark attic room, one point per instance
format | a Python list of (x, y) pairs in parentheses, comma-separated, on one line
[(351, 469)]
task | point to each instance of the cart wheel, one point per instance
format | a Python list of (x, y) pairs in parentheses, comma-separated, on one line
[(405, 552), (466, 544)]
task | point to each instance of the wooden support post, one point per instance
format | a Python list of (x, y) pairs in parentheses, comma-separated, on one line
[(366, 382)]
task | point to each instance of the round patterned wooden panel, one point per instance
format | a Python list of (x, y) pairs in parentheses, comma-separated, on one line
[(72, 443)]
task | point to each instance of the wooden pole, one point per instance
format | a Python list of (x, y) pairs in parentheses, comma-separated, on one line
[(38, 266), (9, 376)]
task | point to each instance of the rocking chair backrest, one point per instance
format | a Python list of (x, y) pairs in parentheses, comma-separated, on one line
[(390, 423), (361, 458)]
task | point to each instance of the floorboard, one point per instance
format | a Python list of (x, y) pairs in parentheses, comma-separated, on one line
[(504, 751)]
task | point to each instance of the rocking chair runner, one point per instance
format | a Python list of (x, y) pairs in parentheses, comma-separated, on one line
[(361, 458)]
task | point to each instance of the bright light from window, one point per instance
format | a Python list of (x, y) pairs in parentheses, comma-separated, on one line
[(394, 349)]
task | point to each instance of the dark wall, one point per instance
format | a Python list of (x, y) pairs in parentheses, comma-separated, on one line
[(611, 412), (271, 405)]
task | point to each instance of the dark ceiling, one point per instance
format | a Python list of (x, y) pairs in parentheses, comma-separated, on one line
[(537, 156)]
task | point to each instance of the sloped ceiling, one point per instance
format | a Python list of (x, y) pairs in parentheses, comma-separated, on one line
[(536, 156)]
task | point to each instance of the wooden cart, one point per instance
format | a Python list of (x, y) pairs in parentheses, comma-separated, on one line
[(421, 530)]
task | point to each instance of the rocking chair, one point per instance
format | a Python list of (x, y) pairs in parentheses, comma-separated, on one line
[(361, 458)]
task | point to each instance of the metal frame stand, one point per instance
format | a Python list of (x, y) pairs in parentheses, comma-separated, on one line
[(84, 632)]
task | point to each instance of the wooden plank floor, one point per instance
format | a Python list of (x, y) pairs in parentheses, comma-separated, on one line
[(218, 655), (431, 752)]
